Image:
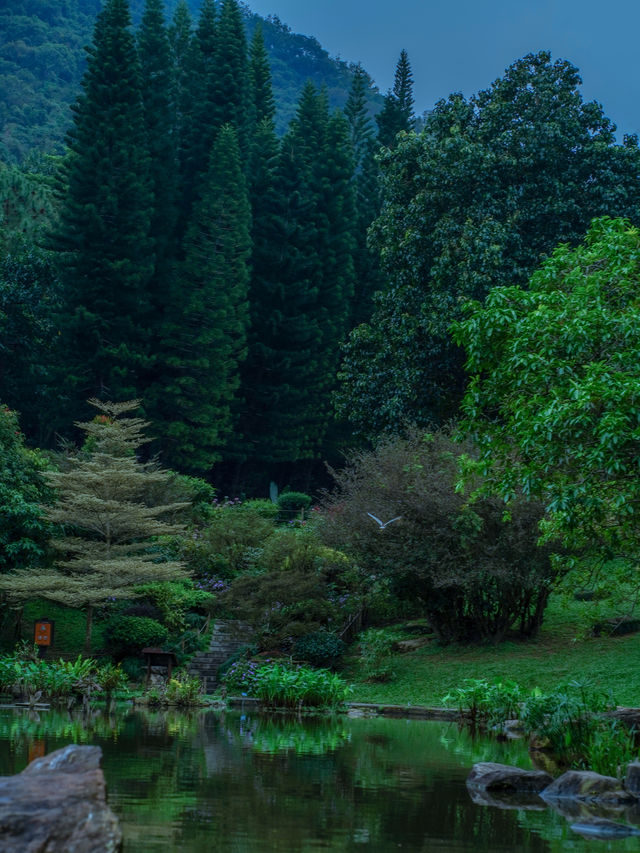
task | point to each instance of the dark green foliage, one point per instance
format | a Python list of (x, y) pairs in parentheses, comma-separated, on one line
[(312, 275), (232, 78), (158, 95), (319, 648), (279, 605), (367, 275), (42, 48), (475, 574), (128, 635), (397, 111), (41, 45), (291, 504), (229, 542), (103, 233), (264, 104), (29, 299), (23, 489), (474, 201), (204, 336)]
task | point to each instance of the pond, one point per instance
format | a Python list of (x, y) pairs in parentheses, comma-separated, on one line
[(241, 782)]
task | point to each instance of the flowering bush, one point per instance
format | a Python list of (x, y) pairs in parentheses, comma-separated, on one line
[(241, 676)]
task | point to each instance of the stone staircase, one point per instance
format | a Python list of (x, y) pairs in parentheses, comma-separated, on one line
[(226, 640)]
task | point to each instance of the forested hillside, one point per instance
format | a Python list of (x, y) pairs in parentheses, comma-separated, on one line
[(42, 59)]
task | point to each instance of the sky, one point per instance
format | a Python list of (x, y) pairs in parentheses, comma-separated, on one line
[(463, 46)]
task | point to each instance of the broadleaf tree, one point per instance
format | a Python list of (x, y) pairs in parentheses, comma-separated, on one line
[(554, 394), (476, 200)]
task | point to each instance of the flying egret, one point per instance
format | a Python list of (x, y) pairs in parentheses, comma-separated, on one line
[(383, 524)]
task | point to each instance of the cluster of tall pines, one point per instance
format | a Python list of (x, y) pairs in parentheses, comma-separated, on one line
[(207, 266)]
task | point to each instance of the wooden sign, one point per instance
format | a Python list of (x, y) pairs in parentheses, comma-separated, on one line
[(43, 632)]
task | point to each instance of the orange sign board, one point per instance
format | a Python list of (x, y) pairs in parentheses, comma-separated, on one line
[(43, 632)]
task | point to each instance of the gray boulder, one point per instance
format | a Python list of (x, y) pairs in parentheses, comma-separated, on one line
[(58, 805), (488, 776), (588, 786)]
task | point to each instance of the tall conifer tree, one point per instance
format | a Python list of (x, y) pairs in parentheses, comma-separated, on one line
[(367, 274), (207, 323), (158, 94), (232, 80), (183, 50), (103, 231), (397, 111), (264, 104), (202, 124)]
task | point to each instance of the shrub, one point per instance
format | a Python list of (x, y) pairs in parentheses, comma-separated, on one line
[(475, 573), (375, 650), (319, 648), (128, 635), (240, 676), (184, 689), (291, 505), (230, 542)]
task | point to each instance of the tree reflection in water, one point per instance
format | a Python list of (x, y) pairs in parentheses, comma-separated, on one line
[(229, 781)]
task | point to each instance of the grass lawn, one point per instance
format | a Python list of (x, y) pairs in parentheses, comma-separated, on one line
[(560, 653)]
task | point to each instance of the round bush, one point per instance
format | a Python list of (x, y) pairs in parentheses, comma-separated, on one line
[(291, 504), (128, 635), (319, 648)]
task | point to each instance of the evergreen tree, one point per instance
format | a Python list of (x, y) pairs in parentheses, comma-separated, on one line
[(303, 277), (108, 519), (368, 277), (200, 120), (183, 48), (397, 111), (355, 110), (103, 231), (264, 104), (159, 110), (232, 80), (205, 330)]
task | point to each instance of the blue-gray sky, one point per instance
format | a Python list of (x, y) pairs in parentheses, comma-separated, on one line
[(465, 45)]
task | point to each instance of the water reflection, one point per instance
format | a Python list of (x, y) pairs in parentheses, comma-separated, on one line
[(237, 782)]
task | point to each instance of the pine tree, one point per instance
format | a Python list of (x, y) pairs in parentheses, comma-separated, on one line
[(159, 110), (264, 104), (302, 256), (103, 231), (367, 274), (232, 81), (205, 332), (183, 52), (109, 520), (397, 111), (200, 121), (355, 110)]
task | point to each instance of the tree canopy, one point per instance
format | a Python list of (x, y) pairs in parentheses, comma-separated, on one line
[(554, 396), (488, 188)]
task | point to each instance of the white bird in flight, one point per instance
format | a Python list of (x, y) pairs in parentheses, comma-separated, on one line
[(383, 524)]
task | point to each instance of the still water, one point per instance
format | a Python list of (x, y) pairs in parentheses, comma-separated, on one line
[(245, 782)]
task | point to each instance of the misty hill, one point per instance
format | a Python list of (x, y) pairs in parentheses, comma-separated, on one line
[(42, 60)]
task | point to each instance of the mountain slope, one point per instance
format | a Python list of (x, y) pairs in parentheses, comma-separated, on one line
[(42, 61)]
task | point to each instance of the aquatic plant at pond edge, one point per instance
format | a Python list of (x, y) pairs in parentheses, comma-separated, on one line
[(280, 685), (57, 680), (567, 721)]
